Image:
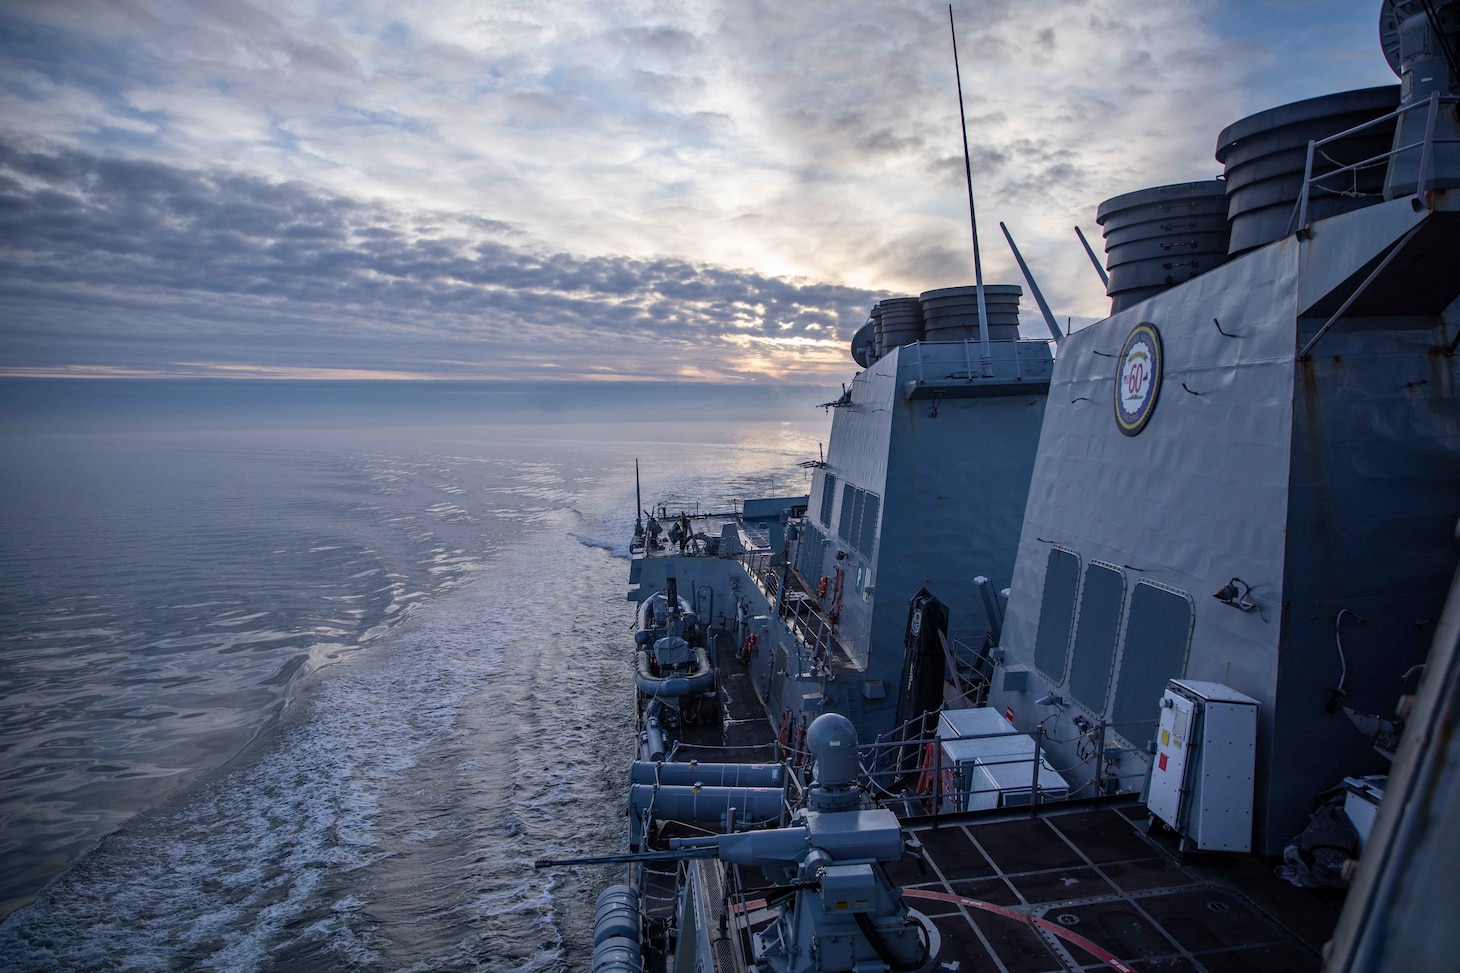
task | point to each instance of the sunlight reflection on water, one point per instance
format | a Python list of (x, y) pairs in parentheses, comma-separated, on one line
[(165, 595)]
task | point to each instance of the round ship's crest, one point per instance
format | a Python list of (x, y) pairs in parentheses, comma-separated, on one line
[(1138, 381)]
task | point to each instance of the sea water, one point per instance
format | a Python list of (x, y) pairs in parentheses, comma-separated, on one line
[(304, 676)]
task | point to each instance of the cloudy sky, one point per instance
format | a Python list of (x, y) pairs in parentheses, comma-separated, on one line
[(561, 189)]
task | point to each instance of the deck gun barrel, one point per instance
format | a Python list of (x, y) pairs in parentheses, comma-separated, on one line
[(741, 848), (752, 847), (626, 857)]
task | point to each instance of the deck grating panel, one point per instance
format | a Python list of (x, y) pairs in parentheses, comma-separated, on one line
[(1025, 846), (1208, 919), (1115, 924), (1283, 958), (1095, 873), (1061, 885), (1019, 947), (1102, 836), (960, 944), (1170, 964), (994, 890), (956, 855), (1144, 875)]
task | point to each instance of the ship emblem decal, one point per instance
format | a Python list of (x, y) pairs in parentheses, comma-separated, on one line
[(1138, 382)]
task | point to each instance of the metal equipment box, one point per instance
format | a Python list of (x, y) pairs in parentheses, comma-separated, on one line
[(1202, 778), (973, 722), (1361, 800), (996, 772)]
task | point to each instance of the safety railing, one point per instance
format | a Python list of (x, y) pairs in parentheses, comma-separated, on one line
[(960, 361), (932, 785), (1425, 177), (971, 669), (809, 625), (799, 609)]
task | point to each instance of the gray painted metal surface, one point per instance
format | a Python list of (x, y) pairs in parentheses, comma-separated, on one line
[(1102, 600), (930, 516), (1400, 912), (902, 322), (1156, 643), (1320, 484), (1424, 58), (1301, 462), (1057, 614), (951, 313), (1265, 156), (1160, 237)]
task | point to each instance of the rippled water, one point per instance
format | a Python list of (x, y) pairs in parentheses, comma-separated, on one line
[(315, 697)]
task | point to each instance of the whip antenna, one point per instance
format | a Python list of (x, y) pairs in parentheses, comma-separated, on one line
[(983, 330), (1054, 328), (1104, 277)]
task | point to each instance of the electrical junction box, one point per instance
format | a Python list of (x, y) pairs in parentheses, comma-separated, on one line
[(1015, 679), (848, 889), (1201, 780)]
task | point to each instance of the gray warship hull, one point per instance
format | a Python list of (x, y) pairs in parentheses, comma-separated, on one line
[(1101, 627)]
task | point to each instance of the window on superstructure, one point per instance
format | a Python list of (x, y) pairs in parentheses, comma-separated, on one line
[(809, 560), (858, 526), (1057, 614), (1101, 598), (828, 496), (867, 530), (1157, 638)]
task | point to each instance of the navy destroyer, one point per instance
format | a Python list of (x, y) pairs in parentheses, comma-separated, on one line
[(1053, 664)]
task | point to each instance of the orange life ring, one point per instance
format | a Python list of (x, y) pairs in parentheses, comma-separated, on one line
[(821, 588)]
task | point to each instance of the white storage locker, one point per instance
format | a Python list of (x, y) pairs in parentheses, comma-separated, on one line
[(1201, 780), (1012, 783), (996, 772), (973, 722)]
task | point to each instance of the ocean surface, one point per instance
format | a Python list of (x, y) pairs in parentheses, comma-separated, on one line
[(304, 676)]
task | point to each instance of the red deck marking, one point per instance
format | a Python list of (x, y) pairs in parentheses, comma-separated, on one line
[(1107, 958)]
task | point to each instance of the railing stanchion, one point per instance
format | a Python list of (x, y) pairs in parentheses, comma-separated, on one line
[(1307, 185), (1427, 153), (937, 781), (1034, 786)]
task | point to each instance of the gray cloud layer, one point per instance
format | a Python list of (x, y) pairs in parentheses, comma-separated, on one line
[(143, 265), (566, 187)]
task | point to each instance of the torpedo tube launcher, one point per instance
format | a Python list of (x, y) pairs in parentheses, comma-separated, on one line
[(834, 906)]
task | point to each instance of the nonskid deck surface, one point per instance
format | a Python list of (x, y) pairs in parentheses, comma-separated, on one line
[(744, 734), (1094, 874)]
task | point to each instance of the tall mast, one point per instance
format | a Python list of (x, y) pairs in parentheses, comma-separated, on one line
[(983, 329)]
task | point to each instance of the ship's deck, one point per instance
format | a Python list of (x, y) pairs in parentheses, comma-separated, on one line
[(1017, 892), (1093, 873)]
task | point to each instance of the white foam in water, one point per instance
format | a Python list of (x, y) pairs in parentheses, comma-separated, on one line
[(390, 821)]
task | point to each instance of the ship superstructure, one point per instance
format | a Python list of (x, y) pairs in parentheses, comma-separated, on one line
[(1091, 612), (1253, 478)]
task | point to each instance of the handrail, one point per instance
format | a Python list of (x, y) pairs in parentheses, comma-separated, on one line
[(1101, 776), (803, 618), (1001, 367), (1426, 146)]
